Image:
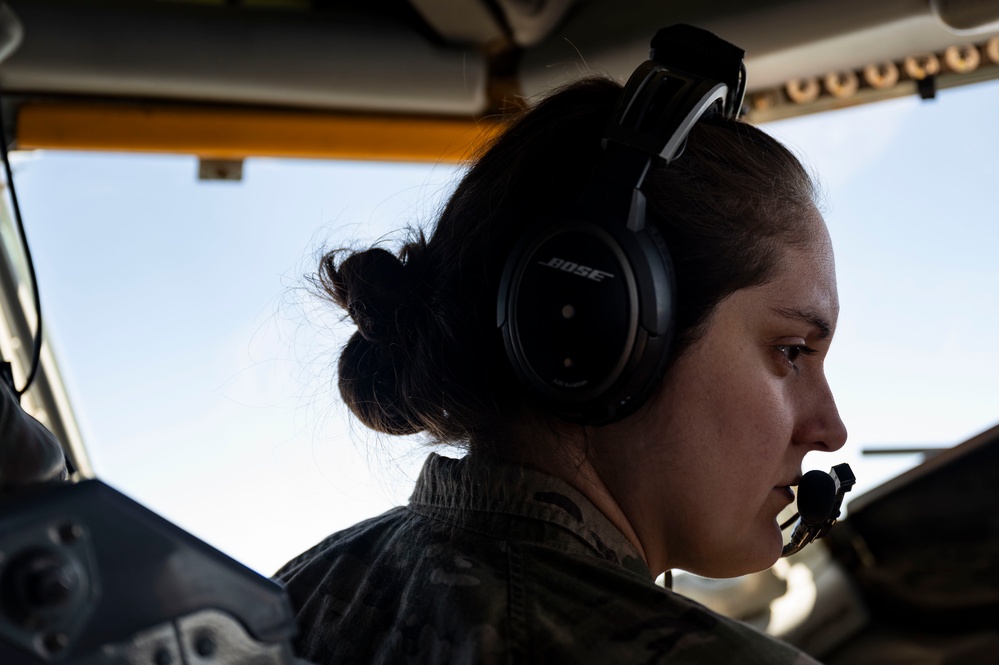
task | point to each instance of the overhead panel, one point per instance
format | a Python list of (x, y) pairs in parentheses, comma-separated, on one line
[(347, 60), (921, 74), (461, 21), (531, 21), (808, 41), (414, 66)]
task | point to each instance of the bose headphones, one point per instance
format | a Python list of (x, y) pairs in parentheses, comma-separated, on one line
[(586, 303)]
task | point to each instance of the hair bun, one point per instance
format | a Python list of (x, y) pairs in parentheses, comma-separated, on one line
[(368, 286), (372, 286), (369, 385)]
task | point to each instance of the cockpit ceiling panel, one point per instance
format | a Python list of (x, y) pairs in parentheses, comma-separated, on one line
[(348, 61), (424, 60), (783, 40)]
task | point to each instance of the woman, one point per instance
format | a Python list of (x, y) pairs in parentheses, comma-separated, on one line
[(542, 543)]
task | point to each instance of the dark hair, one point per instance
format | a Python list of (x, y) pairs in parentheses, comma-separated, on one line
[(427, 356)]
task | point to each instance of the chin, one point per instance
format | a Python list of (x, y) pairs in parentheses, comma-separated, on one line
[(750, 555), (736, 568)]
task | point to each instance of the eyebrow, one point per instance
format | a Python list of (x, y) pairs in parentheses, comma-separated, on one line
[(808, 317)]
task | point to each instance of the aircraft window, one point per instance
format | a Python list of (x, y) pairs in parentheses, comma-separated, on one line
[(909, 209), (9, 240), (200, 369)]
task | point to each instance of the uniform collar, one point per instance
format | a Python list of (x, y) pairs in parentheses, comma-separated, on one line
[(474, 489)]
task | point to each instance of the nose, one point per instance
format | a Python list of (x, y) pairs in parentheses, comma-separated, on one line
[(821, 427)]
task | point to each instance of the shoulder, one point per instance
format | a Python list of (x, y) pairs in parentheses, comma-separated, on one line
[(586, 612), (400, 587), (343, 556), (403, 587)]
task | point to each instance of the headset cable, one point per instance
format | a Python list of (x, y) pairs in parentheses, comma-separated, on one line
[(36, 353)]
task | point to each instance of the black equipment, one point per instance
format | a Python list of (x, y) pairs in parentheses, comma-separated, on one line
[(89, 577), (820, 497), (586, 302)]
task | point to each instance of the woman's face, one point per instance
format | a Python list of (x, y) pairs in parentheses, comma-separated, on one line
[(702, 471)]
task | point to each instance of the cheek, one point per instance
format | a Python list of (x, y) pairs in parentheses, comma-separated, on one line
[(739, 416), (756, 442), (730, 433)]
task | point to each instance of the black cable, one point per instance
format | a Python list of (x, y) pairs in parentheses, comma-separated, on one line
[(36, 353)]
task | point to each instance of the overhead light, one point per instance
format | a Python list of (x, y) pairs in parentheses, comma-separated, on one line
[(922, 66), (962, 59), (881, 76), (879, 80), (803, 91), (992, 49), (763, 100), (842, 84)]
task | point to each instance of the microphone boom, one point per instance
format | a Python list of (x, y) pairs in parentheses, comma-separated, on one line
[(820, 497)]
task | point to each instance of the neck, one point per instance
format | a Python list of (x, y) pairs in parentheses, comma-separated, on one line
[(565, 458)]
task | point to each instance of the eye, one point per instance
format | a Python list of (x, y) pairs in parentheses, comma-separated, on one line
[(792, 352)]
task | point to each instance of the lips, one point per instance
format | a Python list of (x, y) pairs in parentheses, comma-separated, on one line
[(786, 490), (793, 481)]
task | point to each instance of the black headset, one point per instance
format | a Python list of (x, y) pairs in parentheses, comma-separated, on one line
[(586, 303)]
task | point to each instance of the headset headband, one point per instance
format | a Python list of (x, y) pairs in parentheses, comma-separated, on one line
[(692, 74), (586, 304)]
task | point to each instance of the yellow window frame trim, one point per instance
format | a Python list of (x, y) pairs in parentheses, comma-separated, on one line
[(225, 133)]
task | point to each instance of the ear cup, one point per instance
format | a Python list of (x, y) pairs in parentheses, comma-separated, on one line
[(586, 312), (586, 303)]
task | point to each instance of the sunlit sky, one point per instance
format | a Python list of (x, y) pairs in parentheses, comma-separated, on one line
[(200, 367)]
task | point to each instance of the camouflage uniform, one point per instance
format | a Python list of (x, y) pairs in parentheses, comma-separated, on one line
[(495, 563)]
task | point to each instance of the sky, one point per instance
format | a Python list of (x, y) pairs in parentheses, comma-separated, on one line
[(200, 363)]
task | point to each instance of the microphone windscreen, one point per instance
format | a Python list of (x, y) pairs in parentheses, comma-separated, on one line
[(816, 497)]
